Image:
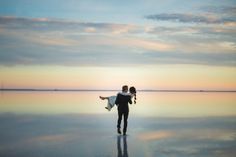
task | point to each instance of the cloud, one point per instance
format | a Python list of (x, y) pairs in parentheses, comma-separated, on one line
[(215, 39), (34, 55), (231, 10), (227, 29), (47, 24), (211, 15), (193, 58), (190, 18), (43, 41)]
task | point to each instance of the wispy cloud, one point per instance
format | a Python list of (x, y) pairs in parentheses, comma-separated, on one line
[(64, 42), (213, 15), (231, 10), (47, 24), (190, 18)]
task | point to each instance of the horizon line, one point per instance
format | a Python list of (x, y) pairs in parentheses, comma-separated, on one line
[(107, 90)]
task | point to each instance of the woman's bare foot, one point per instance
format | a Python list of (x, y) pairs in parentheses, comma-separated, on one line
[(101, 97)]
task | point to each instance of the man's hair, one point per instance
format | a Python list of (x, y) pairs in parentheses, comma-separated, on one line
[(125, 87)]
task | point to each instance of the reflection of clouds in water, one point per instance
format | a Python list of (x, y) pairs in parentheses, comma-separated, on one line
[(193, 142), (154, 135), (41, 140), (194, 151), (95, 135), (188, 136), (52, 138), (197, 134), (207, 134), (189, 142)]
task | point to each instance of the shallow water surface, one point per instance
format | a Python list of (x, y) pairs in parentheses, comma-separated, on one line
[(77, 124)]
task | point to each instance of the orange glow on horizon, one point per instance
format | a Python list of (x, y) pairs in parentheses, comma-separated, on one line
[(146, 77)]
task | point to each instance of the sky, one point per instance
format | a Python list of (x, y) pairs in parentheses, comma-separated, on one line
[(95, 44)]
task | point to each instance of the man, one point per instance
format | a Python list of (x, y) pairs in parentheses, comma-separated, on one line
[(122, 101)]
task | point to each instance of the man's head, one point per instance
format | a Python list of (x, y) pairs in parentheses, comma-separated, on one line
[(125, 88)]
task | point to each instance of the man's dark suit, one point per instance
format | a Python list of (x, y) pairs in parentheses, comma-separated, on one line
[(123, 109)]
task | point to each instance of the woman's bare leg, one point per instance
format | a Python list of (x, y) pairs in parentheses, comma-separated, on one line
[(103, 98)]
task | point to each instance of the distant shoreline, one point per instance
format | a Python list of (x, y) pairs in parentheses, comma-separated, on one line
[(105, 90)]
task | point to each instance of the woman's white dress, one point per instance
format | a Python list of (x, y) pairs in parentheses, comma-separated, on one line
[(111, 102)]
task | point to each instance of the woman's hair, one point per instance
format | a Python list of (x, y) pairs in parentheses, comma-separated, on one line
[(132, 90)]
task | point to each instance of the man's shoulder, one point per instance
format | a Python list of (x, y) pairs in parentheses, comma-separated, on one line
[(124, 94), (123, 97)]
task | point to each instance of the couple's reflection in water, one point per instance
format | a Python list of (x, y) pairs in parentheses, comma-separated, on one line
[(121, 153)]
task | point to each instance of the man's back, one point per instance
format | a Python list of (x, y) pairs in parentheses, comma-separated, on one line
[(122, 102)]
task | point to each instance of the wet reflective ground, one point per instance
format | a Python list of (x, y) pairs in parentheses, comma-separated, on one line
[(76, 124)]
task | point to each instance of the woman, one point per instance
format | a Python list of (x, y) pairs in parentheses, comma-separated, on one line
[(112, 99)]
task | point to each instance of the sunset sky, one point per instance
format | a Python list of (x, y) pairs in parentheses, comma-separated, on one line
[(94, 44)]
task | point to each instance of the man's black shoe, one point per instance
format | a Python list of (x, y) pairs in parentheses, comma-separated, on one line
[(124, 133), (118, 131)]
